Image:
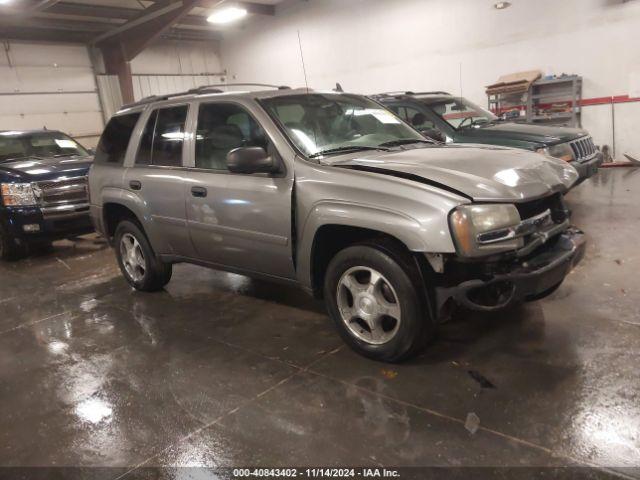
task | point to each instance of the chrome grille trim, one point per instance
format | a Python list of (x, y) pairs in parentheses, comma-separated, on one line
[(62, 198), (524, 228), (583, 148)]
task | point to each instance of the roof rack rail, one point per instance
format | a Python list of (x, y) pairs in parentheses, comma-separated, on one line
[(205, 88), (408, 92), (393, 94), (221, 85)]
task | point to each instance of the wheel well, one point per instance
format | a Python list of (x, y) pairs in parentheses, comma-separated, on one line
[(330, 239), (113, 214)]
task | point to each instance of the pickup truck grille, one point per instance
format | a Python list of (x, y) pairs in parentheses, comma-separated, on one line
[(63, 198), (583, 148)]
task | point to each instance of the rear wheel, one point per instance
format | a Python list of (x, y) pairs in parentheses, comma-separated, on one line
[(138, 263), (9, 250), (375, 300)]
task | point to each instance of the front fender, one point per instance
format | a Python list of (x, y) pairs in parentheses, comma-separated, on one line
[(411, 232)]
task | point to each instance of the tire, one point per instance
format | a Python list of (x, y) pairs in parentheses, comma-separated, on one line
[(142, 269), (42, 248), (395, 305), (9, 251)]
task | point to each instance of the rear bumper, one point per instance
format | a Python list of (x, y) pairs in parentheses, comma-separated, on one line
[(29, 225), (588, 168), (527, 278)]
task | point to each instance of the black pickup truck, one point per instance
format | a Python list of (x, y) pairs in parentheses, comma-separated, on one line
[(43, 190)]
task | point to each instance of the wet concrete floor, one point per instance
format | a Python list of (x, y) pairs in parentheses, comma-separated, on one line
[(222, 370)]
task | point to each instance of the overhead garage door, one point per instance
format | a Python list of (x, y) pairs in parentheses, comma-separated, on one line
[(50, 86)]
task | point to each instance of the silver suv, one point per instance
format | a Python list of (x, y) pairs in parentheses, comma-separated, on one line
[(332, 192)]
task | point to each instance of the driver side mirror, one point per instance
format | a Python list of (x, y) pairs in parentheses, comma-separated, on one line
[(251, 160), (433, 134), (91, 151)]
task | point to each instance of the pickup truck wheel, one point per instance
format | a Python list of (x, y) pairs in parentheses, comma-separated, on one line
[(8, 248), (138, 263), (376, 304)]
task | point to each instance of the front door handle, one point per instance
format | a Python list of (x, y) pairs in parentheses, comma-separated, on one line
[(135, 185), (199, 192)]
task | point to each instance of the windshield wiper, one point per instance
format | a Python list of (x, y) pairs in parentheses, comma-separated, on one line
[(346, 148), (405, 141)]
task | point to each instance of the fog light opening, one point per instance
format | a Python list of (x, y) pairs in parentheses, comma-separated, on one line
[(31, 228), (496, 295)]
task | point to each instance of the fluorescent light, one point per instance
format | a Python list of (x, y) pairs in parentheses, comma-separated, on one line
[(226, 15), (5, 2), (501, 5)]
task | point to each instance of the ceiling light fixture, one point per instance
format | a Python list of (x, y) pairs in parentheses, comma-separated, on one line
[(227, 15), (501, 5), (5, 2)]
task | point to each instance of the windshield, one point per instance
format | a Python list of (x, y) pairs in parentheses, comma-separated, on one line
[(38, 144), (323, 124), (459, 112)]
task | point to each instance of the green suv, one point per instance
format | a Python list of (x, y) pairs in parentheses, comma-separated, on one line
[(443, 117)]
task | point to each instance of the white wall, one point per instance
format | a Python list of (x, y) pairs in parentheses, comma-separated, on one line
[(455, 45), (49, 86)]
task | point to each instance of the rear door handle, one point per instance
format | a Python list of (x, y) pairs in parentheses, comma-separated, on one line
[(199, 192), (135, 185)]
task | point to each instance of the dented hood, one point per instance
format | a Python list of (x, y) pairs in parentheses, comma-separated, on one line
[(479, 172)]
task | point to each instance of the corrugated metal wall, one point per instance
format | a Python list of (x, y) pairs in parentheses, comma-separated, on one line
[(50, 86), (110, 94), (146, 85)]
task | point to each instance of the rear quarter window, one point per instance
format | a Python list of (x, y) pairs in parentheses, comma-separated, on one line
[(114, 141)]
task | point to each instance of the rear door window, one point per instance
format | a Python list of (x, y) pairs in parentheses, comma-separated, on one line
[(114, 141), (163, 137)]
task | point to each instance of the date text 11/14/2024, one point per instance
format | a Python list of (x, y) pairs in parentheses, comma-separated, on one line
[(317, 472)]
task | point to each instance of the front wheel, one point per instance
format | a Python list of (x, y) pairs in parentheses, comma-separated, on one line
[(374, 299), (8, 248), (138, 263)]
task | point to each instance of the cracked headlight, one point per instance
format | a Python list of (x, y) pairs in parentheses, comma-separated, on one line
[(17, 194), (562, 151), (485, 229)]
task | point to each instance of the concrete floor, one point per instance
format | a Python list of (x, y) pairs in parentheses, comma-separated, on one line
[(221, 370)]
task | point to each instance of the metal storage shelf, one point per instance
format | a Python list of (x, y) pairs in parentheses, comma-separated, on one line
[(540, 97), (563, 90), (553, 116)]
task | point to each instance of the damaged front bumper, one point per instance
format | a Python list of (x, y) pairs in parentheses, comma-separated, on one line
[(526, 278)]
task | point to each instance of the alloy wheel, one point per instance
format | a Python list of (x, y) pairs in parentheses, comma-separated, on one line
[(368, 305), (132, 257)]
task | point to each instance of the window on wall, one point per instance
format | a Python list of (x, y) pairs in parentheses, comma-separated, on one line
[(163, 137), (223, 127), (115, 139)]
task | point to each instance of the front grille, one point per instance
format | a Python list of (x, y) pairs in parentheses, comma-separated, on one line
[(62, 197), (583, 148), (555, 203)]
